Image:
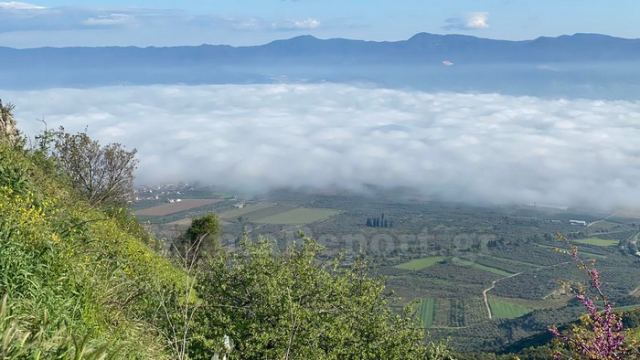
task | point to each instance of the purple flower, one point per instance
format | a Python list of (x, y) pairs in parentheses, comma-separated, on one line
[(601, 335)]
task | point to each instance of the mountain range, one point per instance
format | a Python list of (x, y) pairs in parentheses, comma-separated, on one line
[(421, 48), (580, 65)]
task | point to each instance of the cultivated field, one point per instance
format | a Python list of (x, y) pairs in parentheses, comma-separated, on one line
[(235, 213), (504, 309), (419, 264), (174, 208), (299, 216), (447, 278), (598, 242), (475, 265), (426, 311), (452, 313)]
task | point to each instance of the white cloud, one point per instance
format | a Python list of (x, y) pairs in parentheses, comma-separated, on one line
[(466, 147), (19, 16), (260, 24), (15, 5), (472, 21), (305, 24), (109, 20)]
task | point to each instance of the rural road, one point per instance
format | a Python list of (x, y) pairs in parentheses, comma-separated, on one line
[(493, 285), (485, 292)]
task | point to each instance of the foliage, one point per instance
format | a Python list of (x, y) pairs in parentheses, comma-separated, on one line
[(288, 305), (600, 334), (74, 279), (18, 342), (103, 174), (205, 229)]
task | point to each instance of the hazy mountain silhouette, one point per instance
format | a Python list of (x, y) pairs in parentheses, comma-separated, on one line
[(443, 62)]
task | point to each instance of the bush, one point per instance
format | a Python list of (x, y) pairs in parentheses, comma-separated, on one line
[(288, 305)]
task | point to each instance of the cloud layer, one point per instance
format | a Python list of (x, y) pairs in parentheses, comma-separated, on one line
[(463, 147)]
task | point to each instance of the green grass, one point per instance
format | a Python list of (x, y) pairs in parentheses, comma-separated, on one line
[(469, 263), (426, 310), (420, 264), (299, 216), (598, 242), (503, 309)]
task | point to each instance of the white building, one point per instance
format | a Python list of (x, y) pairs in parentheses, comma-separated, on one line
[(578, 222)]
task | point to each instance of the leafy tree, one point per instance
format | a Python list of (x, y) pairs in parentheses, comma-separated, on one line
[(204, 232), (290, 306), (103, 174)]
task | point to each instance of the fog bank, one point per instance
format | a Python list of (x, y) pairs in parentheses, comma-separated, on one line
[(463, 147)]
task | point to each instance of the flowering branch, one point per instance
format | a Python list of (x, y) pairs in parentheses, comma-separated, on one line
[(601, 332)]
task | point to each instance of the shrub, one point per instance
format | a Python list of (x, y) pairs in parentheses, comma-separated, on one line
[(290, 306)]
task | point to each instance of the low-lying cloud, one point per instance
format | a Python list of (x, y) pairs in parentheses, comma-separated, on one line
[(463, 147)]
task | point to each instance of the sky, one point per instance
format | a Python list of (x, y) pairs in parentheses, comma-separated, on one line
[(251, 22)]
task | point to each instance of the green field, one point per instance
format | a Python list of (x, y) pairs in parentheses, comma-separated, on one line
[(232, 214), (426, 310), (512, 261), (469, 263), (583, 252), (299, 216), (597, 242), (419, 264), (503, 309)]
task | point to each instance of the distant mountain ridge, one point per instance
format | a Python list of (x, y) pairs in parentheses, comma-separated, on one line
[(421, 48), (580, 65)]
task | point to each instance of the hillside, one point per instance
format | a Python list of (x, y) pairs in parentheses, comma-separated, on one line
[(72, 273), (80, 282)]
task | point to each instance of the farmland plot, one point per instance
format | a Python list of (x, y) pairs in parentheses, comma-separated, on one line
[(422, 263), (426, 311), (504, 309), (174, 208), (235, 213), (299, 216), (598, 242)]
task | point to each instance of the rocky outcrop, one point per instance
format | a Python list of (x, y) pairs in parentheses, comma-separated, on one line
[(8, 127)]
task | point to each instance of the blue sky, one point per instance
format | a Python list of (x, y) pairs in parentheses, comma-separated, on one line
[(248, 22)]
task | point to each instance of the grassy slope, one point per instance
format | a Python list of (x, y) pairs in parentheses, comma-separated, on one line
[(70, 272)]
